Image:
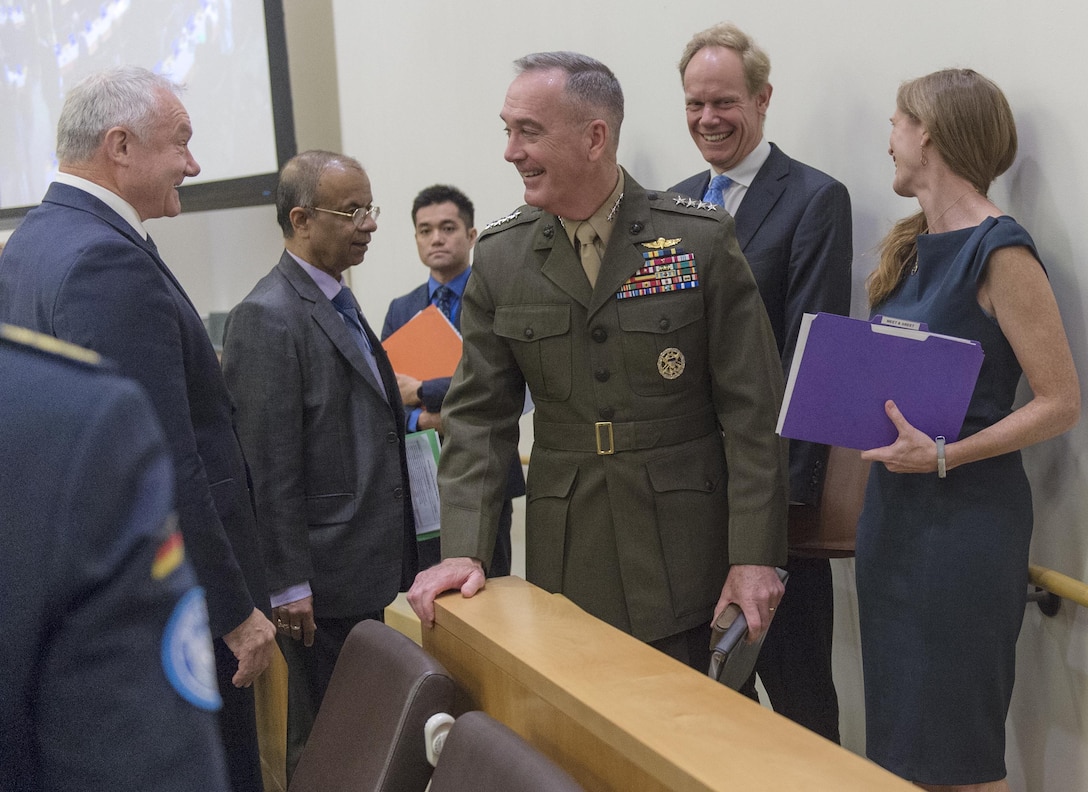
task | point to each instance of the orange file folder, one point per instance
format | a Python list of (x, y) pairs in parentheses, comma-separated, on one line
[(426, 347)]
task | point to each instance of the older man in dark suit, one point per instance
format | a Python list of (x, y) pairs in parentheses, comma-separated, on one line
[(81, 267), (793, 224), (322, 423), (444, 220)]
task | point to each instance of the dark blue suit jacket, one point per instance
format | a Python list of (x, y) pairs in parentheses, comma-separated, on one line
[(76, 270), (400, 311), (795, 229), (87, 494)]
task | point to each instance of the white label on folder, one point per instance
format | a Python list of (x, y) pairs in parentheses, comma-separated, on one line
[(903, 323)]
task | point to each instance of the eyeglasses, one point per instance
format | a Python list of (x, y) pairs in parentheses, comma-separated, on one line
[(358, 217)]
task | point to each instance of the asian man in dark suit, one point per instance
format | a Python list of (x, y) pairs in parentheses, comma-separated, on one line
[(322, 423), (444, 218), (81, 267), (793, 224)]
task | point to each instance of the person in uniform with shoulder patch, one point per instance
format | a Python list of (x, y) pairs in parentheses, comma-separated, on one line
[(107, 676), (634, 320)]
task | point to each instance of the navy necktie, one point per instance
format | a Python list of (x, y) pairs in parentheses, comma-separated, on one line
[(715, 192), (443, 299), (344, 302)]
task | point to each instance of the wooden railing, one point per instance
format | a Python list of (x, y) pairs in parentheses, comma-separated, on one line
[(1059, 585)]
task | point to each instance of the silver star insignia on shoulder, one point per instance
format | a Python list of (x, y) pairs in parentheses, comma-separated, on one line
[(690, 203), (512, 216), (707, 206), (680, 200)]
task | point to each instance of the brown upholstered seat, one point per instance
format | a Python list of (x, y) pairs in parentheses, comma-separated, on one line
[(482, 755), (368, 734)]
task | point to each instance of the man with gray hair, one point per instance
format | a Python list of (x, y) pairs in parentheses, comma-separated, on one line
[(793, 224), (82, 268), (635, 322)]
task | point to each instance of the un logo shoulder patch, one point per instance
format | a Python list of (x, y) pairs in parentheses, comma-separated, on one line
[(187, 656)]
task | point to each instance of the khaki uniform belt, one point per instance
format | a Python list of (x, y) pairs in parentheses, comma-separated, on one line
[(607, 437)]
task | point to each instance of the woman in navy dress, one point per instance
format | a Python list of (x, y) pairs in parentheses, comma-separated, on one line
[(942, 548)]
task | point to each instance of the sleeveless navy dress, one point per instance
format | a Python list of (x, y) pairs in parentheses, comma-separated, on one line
[(942, 563)]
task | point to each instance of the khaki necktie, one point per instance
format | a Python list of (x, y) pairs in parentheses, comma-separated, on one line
[(587, 250)]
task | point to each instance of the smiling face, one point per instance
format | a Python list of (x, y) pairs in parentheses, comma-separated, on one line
[(331, 242), (725, 121), (550, 145), (905, 147), (443, 241), (157, 164)]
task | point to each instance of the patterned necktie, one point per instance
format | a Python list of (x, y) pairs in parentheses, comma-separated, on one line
[(443, 299), (587, 250), (344, 302), (715, 193)]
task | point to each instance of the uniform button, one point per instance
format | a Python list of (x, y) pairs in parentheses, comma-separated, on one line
[(636, 228), (606, 413), (549, 232), (602, 375), (528, 332), (392, 437), (599, 334), (664, 324), (709, 485), (398, 492)]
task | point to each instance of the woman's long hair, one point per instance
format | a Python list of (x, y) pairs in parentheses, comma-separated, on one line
[(972, 127)]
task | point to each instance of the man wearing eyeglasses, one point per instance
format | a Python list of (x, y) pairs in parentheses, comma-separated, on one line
[(321, 420)]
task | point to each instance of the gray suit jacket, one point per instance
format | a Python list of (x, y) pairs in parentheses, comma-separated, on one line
[(329, 470), (794, 227)]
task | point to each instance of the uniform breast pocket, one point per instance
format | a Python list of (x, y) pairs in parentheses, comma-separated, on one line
[(664, 342), (539, 336)]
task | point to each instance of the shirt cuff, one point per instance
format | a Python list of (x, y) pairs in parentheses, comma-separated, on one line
[(291, 594)]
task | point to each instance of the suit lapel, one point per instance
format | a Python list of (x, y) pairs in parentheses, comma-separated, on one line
[(328, 319), (562, 266), (74, 198), (623, 257), (762, 195)]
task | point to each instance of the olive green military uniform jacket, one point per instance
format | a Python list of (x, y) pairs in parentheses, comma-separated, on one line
[(655, 464)]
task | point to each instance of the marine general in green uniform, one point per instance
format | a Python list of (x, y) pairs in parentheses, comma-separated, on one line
[(657, 487)]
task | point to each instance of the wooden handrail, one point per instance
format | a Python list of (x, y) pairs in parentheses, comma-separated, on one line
[(1059, 584)]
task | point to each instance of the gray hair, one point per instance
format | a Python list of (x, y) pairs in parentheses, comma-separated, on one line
[(298, 183), (591, 86), (124, 96)]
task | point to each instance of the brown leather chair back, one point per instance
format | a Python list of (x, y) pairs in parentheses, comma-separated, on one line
[(482, 755), (368, 734), (828, 530)]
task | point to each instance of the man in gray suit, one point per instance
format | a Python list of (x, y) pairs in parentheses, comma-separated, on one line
[(322, 423), (793, 224)]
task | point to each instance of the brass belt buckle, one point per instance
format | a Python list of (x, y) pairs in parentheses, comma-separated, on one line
[(602, 430)]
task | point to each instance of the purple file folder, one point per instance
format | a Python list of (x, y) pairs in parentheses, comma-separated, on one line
[(845, 369)]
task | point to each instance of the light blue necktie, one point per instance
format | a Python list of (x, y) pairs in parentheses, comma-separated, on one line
[(344, 302), (715, 193)]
